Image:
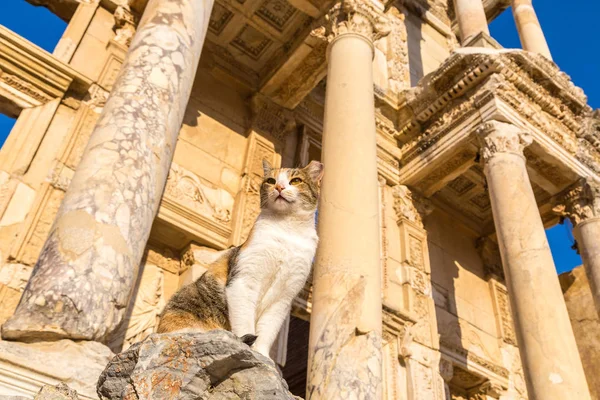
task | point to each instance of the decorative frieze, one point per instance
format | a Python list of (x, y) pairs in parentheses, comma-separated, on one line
[(271, 119), (503, 313), (190, 190), (397, 52)]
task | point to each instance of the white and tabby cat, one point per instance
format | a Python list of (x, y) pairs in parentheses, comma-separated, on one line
[(249, 289)]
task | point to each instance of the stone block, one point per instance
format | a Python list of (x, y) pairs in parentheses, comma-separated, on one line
[(212, 365), (27, 367)]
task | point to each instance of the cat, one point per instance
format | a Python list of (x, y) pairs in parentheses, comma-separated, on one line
[(249, 289)]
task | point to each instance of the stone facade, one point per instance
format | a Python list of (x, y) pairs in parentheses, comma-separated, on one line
[(137, 155), (585, 322)]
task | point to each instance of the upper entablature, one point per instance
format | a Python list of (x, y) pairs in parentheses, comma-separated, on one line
[(437, 121)]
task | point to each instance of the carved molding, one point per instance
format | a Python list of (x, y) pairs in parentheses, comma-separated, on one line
[(271, 119), (125, 23), (580, 202), (164, 258), (357, 17), (410, 205), (500, 137), (502, 309), (397, 52), (472, 357)]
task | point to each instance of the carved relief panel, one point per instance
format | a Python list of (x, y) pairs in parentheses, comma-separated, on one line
[(504, 321), (414, 259), (248, 200)]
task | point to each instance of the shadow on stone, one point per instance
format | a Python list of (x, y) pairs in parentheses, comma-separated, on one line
[(212, 365)]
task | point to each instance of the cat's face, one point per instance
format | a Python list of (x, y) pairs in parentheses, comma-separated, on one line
[(291, 190)]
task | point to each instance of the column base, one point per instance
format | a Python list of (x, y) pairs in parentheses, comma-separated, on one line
[(482, 39), (26, 367)]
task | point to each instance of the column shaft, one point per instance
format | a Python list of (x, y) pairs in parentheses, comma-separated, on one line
[(345, 329), (471, 18), (82, 282), (581, 204), (530, 31), (547, 346), (587, 234)]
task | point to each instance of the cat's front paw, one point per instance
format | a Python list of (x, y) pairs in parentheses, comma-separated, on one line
[(261, 349)]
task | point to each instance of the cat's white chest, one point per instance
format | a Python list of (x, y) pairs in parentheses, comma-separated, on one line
[(277, 260)]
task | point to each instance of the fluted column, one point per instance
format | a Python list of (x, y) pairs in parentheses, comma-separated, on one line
[(581, 204), (547, 346), (471, 18), (345, 328), (82, 282), (530, 32)]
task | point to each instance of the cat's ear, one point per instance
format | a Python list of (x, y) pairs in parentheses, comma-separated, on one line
[(267, 168), (315, 170)]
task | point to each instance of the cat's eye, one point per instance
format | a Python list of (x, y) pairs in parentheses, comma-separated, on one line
[(271, 181), (296, 181)]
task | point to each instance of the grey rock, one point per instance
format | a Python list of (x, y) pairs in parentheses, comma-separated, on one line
[(213, 365)]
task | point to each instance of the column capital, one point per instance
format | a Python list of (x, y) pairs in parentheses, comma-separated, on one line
[(501, 137), (580, 202), (358, 17)]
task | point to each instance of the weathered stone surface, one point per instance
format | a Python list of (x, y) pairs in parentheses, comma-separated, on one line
[(58, 392), (213, 365), (77, 364), (99, 234), (585, 322), (48, 392)]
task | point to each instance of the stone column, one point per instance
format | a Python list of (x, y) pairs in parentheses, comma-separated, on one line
[(345, 328), (530, 31), (582, 205), (82, 282), (471, 18), (547, 346)]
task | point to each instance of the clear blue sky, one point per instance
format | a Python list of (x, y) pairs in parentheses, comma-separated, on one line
[(570, 29)]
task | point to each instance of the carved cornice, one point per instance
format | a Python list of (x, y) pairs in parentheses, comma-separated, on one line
[(358, 17), (580, 202), (533, 87), (499, 137), (29, 76), (410, 205)]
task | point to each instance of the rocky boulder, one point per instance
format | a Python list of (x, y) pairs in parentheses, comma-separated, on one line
[(212, 365)]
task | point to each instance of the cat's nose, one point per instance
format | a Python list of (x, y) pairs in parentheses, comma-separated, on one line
[(279, 188)]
